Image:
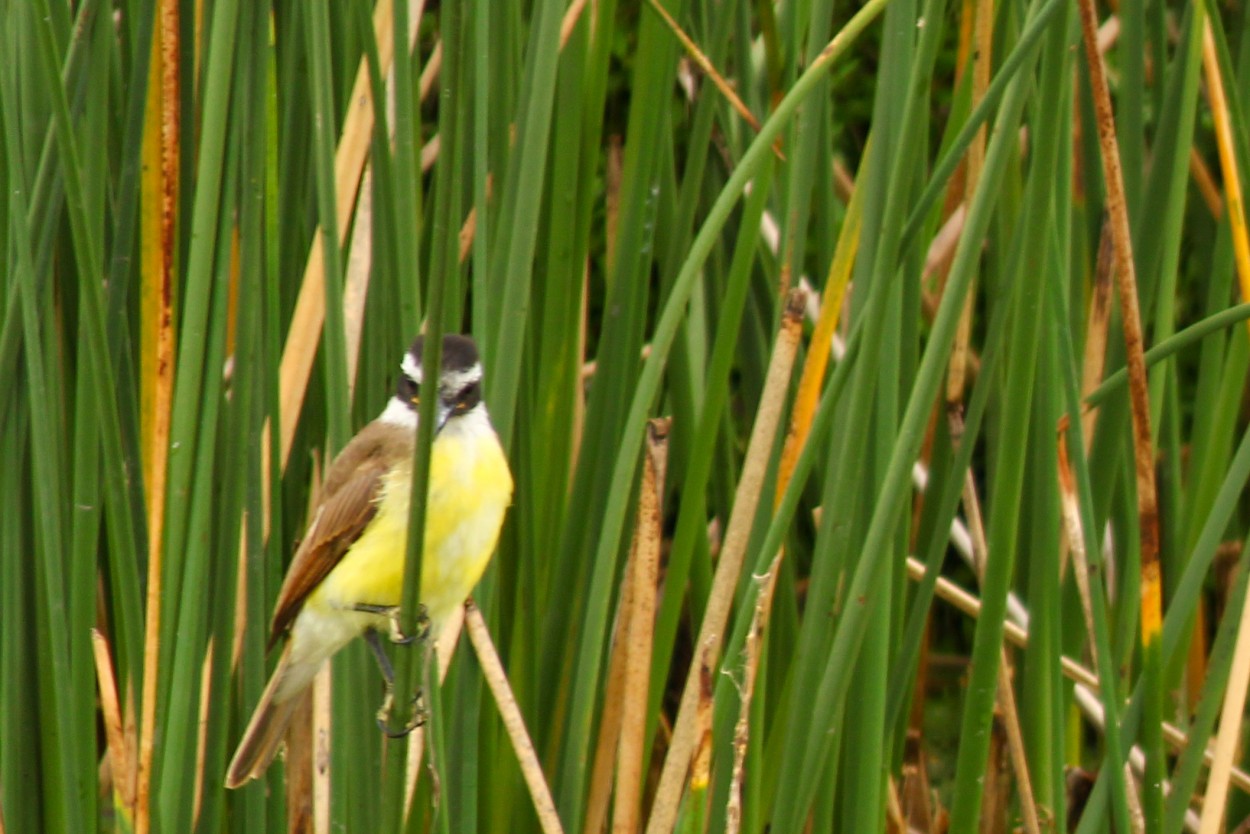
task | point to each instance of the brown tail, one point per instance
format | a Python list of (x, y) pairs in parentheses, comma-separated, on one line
[(267, 728)]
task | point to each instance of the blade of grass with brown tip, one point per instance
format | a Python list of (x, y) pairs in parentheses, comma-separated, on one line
[(1228, 160), (821, 342), (1143, 440)]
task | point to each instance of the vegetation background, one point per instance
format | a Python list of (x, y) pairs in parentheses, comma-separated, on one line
[(223, 221)]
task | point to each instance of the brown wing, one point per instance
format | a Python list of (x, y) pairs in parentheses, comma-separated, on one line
[(347, 506)]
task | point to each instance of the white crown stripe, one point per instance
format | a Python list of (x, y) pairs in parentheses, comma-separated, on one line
[(411, 367), (456, 381)]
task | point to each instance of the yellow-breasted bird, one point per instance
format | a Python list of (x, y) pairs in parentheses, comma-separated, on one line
[(347, 575)]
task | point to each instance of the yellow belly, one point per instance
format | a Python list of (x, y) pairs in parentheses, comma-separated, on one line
[(470, 489)]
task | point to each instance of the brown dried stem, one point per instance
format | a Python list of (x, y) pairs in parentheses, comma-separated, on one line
[(159, 385), (1229, 737), (349, 161), (602, 770), (514, 724), (201, 737), (980, 56), (323, 686), (729, 567), (571, 16), (1075, 540), (1126, 282), (643, 573), (119, 752), (969, 604), (1096, 327), (696, 54), (746, 689), (624, 663)]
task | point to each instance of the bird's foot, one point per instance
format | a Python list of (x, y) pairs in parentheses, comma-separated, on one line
[(391, 612), (383, 717)]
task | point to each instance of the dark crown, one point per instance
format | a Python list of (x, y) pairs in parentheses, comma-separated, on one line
[(459, 352)]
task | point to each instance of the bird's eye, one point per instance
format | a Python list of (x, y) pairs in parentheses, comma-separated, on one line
[(407, 390), (468, 397)]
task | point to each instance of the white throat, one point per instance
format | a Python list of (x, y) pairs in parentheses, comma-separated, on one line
[(399, 413), (474, 423)]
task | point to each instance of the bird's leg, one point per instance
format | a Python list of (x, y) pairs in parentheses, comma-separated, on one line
[(383, 715), (391, 612), (388, 675), (419, 715), (379, 654)]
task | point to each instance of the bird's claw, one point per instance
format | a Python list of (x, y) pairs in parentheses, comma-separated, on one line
[(423, 628), (396, 632), (383, 717)]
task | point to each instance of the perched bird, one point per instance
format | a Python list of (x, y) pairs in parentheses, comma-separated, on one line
[(347, 576)]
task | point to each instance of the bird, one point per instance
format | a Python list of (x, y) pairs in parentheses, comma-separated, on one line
[(346, 577)]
